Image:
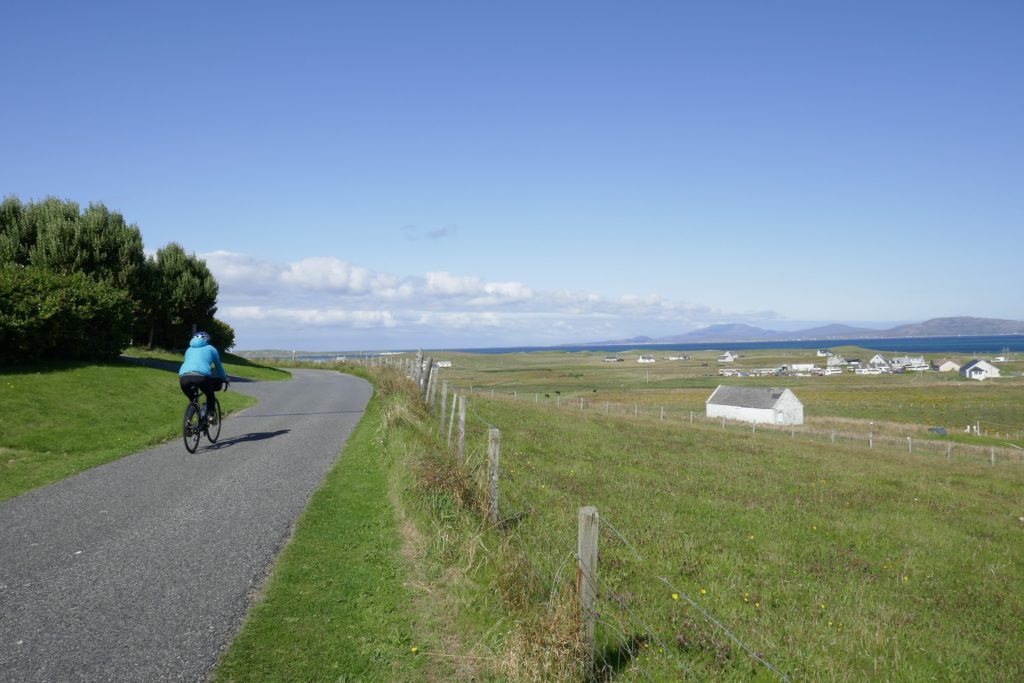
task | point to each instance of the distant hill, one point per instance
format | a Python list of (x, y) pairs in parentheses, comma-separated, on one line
[(936, 327), (957, 327)]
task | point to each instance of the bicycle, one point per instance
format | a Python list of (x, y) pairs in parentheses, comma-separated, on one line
[(198, 419)]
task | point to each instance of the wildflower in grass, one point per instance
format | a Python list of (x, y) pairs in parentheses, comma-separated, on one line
[(822, 605), (675, 596), (414, 649), (757, 605), (703, 591)]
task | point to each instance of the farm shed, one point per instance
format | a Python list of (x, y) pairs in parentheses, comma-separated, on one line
[(756, 404), (979, 369)]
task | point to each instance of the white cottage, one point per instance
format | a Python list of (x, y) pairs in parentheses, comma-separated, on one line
[(756, 404), (945, 365), (979, 369)]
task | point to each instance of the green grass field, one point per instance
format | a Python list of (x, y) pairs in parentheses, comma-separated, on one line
[(830, 563), (911, 401), (61, 418)]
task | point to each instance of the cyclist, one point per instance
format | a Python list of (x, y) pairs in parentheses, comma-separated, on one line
[(196, 374)]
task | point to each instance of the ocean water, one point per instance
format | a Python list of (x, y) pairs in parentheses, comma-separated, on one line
[(954, 346), (961, 346)]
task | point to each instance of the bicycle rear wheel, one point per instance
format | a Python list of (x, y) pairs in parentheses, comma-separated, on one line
[(213, 429), (191, 428)]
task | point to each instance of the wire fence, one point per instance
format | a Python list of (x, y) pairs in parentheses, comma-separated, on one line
[(628, 637), (648, 624), (842, 433)]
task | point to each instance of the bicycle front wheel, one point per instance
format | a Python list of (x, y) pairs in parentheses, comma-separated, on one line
[(213, 428), (191, 428)]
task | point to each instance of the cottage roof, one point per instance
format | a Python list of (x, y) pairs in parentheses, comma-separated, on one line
[(746, 397)]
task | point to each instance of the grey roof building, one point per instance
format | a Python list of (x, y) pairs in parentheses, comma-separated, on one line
[(756, 404)]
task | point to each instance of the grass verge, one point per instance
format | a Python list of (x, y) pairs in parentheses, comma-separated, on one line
[(340, 605), (57, 419)]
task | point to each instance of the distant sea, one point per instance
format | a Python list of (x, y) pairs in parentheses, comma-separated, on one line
[(964, 346), (959, 346)]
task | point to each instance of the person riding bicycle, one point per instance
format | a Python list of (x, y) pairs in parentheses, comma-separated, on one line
[(196, 374)]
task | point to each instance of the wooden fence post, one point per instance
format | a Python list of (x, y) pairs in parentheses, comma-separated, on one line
[(910, 445), (493, 456), (461, 444), (444, 405), (949, 450), (451, 419), (586, 580), (992, 456)]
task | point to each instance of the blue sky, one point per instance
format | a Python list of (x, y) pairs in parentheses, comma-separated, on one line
[(402, 174)]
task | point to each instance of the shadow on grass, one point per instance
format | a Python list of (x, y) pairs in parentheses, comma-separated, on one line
[(615, 658)]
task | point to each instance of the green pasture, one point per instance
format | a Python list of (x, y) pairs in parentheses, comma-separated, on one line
[(921, 400), (830, 563), (57, 419)]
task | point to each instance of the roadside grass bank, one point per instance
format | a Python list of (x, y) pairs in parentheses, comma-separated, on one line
[(57, 419), (348, 599)]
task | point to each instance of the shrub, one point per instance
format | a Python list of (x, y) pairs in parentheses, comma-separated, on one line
[(46, 316)]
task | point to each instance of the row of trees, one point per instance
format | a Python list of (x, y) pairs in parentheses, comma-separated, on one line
[(77, 284)]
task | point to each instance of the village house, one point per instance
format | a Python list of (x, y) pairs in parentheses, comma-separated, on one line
[(645, 359), (878, 361), (444, 363), (612, 359), (727, 357), (979, 369), (915, 363), (835, 360), (755, 404), (945, 365)]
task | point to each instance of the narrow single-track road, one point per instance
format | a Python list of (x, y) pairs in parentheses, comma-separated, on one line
[(142, 569)]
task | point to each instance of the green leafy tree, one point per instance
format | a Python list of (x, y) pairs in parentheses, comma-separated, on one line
[(187, 296)]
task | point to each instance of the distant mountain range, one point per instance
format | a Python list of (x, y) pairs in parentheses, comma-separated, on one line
[(936, 327)]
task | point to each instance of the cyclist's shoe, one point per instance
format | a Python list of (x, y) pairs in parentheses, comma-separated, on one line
[(213, 418)]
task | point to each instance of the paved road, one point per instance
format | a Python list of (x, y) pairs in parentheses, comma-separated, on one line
[(142, 569)]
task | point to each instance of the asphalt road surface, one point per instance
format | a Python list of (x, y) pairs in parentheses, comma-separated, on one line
[(143, 569)]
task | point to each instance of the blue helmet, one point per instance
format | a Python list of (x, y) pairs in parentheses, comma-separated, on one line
[(205, 336)]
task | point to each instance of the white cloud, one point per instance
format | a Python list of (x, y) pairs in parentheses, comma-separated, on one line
[(321, 296)]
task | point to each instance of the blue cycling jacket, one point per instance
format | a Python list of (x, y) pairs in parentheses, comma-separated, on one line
[(198, 358)]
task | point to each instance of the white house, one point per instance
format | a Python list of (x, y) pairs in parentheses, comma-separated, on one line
[(755, 404), (878, 361), (444, 363), (945, 365), (979, 369), (727, 357), (835, 360), (909, 363), (645, 359)]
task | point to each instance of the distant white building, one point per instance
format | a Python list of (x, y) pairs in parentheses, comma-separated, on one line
[(444, 363), (915, 363), (645, 359), (945, 365), (979, 369), (727, 357), (878, 361), (835, 360), (755, 404)]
